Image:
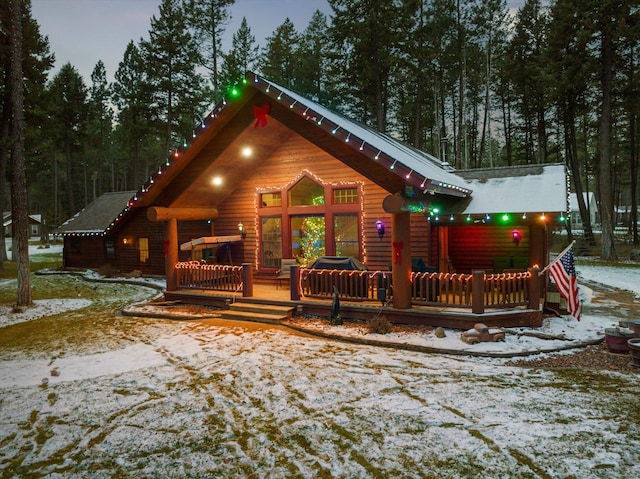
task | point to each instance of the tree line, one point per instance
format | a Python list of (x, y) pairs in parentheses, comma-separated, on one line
[(465, 80)]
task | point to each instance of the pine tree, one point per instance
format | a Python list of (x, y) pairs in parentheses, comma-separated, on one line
[(311, 65), (177, 91), (36, 62), (279, 59), (242, 57), (131, 93), (19, 213), (364, 36), (208, 19), (68, 119), (99, 131)]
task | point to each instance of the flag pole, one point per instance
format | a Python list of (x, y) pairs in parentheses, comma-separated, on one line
[(557, 258)]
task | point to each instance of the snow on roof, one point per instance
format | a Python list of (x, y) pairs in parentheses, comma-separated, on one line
[(534, 189), (421, 163)]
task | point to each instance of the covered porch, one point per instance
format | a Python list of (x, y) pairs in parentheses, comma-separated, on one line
[(449, 300)]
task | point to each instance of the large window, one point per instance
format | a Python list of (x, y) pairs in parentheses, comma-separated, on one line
[(271, 241), (307, 238), (306, 193), (307, 220), (346, 235), (143, 248)]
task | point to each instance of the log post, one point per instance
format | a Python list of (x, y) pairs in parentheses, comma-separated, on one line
[(171, 258), (247, 280), (477, 292), (534, 289), (401, 263)]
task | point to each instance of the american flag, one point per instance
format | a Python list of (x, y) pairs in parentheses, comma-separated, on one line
[(563, 272)]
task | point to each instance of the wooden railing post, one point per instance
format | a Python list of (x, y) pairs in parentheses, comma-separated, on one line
[(247, 280), (477, 292), (534, 289), (294, 282)]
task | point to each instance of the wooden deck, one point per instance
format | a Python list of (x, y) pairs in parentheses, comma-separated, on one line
[(448, 317)]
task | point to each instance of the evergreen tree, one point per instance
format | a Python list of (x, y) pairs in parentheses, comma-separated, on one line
[(365, 36), (131, 94), (242, 57), (279, 59), (311, 55), (525, 67), (568, 75), (19, 213), (69, 113), (177, 91), (36, 62), (208, 19), (99, 131)]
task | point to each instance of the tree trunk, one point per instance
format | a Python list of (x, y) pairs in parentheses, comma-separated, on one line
[(4, 154), (20, 218), (604, 146)]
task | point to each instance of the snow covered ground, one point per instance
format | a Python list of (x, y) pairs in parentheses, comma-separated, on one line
[(86, 392)]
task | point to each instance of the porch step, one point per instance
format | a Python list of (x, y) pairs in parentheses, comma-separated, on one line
[(261, 313)]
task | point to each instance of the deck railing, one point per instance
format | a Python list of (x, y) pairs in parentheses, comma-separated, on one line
[(199, 275), (442, 289)]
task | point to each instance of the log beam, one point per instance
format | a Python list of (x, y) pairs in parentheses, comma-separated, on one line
[(159, 213)]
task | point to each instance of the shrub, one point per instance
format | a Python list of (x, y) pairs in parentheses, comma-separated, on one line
[(380, 325)]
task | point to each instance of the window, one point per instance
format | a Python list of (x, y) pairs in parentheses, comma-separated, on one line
[(110, 249), (34, 230), (271, 241), (143, 248), (345, 195), (271, 199), (306, 193), (75, 244), (346, 235), (307, 238)]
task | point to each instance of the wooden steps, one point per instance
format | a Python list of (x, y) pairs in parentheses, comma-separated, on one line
[(261, 313)]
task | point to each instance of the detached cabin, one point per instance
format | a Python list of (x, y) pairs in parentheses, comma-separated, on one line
[(270, 176), (36, 225)]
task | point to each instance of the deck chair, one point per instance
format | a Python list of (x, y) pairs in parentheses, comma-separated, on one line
[(284, 273)]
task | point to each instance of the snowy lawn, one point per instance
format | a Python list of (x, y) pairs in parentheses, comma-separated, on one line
[(86, 392)]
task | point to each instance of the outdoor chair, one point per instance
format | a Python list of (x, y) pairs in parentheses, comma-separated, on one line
[(284, 273)]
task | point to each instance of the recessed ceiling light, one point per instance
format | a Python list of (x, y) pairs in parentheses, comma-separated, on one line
[(247, 151), (217, 181)]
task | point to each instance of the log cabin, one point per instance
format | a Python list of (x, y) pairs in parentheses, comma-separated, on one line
[(270, 176)]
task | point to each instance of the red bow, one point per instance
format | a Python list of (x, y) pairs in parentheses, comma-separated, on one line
[(260, 114)]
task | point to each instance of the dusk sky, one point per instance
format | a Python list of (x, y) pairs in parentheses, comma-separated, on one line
[(84, 31)]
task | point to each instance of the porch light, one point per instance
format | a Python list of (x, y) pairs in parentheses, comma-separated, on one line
[(247, 151), (516, 235), (217, 181), (380, 228), (242, 230)]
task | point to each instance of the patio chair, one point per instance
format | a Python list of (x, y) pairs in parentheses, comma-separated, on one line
[(284, 273)]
